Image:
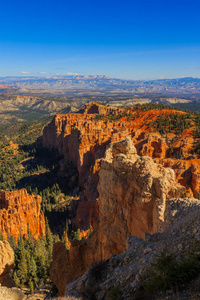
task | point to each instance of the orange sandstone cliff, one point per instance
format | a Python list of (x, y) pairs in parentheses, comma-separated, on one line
[(133, 192), (20, 212)]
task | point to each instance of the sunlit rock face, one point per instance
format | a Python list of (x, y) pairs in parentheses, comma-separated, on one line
[(6, 264), (133, 192), (20, 213)]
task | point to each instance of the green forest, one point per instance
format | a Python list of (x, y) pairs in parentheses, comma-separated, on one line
[(174, 122), (32, 259), (32, 167)]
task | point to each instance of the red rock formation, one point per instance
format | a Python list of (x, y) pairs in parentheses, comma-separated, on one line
[(82, 138), (20, 211)]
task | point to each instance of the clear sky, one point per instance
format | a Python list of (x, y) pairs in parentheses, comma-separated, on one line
[(138, 39)]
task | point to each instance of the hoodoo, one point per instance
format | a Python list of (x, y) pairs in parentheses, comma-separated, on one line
[(20, 213)]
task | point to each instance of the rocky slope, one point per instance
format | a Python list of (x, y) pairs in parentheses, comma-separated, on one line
[(82, 139), (12, 103), (20, 212), (128, 270), (133, 194), (20, 108)]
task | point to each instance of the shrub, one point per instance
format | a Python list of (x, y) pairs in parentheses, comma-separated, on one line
[(168, 272), (115, 293)]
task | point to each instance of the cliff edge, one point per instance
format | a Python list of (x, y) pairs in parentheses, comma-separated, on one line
[(133, 194)]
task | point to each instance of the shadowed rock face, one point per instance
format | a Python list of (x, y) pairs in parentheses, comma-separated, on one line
[(82, 139), (133, 192), (20, 212), (6, 264)]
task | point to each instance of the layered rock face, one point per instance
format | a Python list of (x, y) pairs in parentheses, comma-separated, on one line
[(133, 193), (82, 139), (6, 264), (20, 212)]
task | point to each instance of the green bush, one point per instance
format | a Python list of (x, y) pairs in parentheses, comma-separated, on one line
[(168, 273), (115, 293)]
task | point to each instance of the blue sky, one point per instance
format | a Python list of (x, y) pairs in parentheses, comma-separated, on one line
[(143, 39)]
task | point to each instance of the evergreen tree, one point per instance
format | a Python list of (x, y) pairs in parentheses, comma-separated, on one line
[(22, 272)]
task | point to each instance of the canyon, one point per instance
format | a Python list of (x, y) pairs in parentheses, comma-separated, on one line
[(126, 173), (133, 192), (82, 139), (124, 183)]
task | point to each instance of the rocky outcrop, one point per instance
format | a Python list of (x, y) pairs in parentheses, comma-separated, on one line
[(133, 193), (97, 108), (187, 173), (11, 294), (20, 212), (6, 264), (129, 269)]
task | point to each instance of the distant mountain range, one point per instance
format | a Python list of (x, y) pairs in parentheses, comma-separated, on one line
[(29, 98), (187, 85)]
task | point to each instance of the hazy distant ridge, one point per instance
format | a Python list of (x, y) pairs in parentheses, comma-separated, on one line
[(99, 83)]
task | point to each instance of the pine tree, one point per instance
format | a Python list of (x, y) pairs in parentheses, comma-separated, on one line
[(49, 241), (31, 285), (30, 243), (22, 267), (32, 268), (41, 258)]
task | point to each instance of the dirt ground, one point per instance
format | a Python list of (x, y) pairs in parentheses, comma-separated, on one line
[(41, 294)]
